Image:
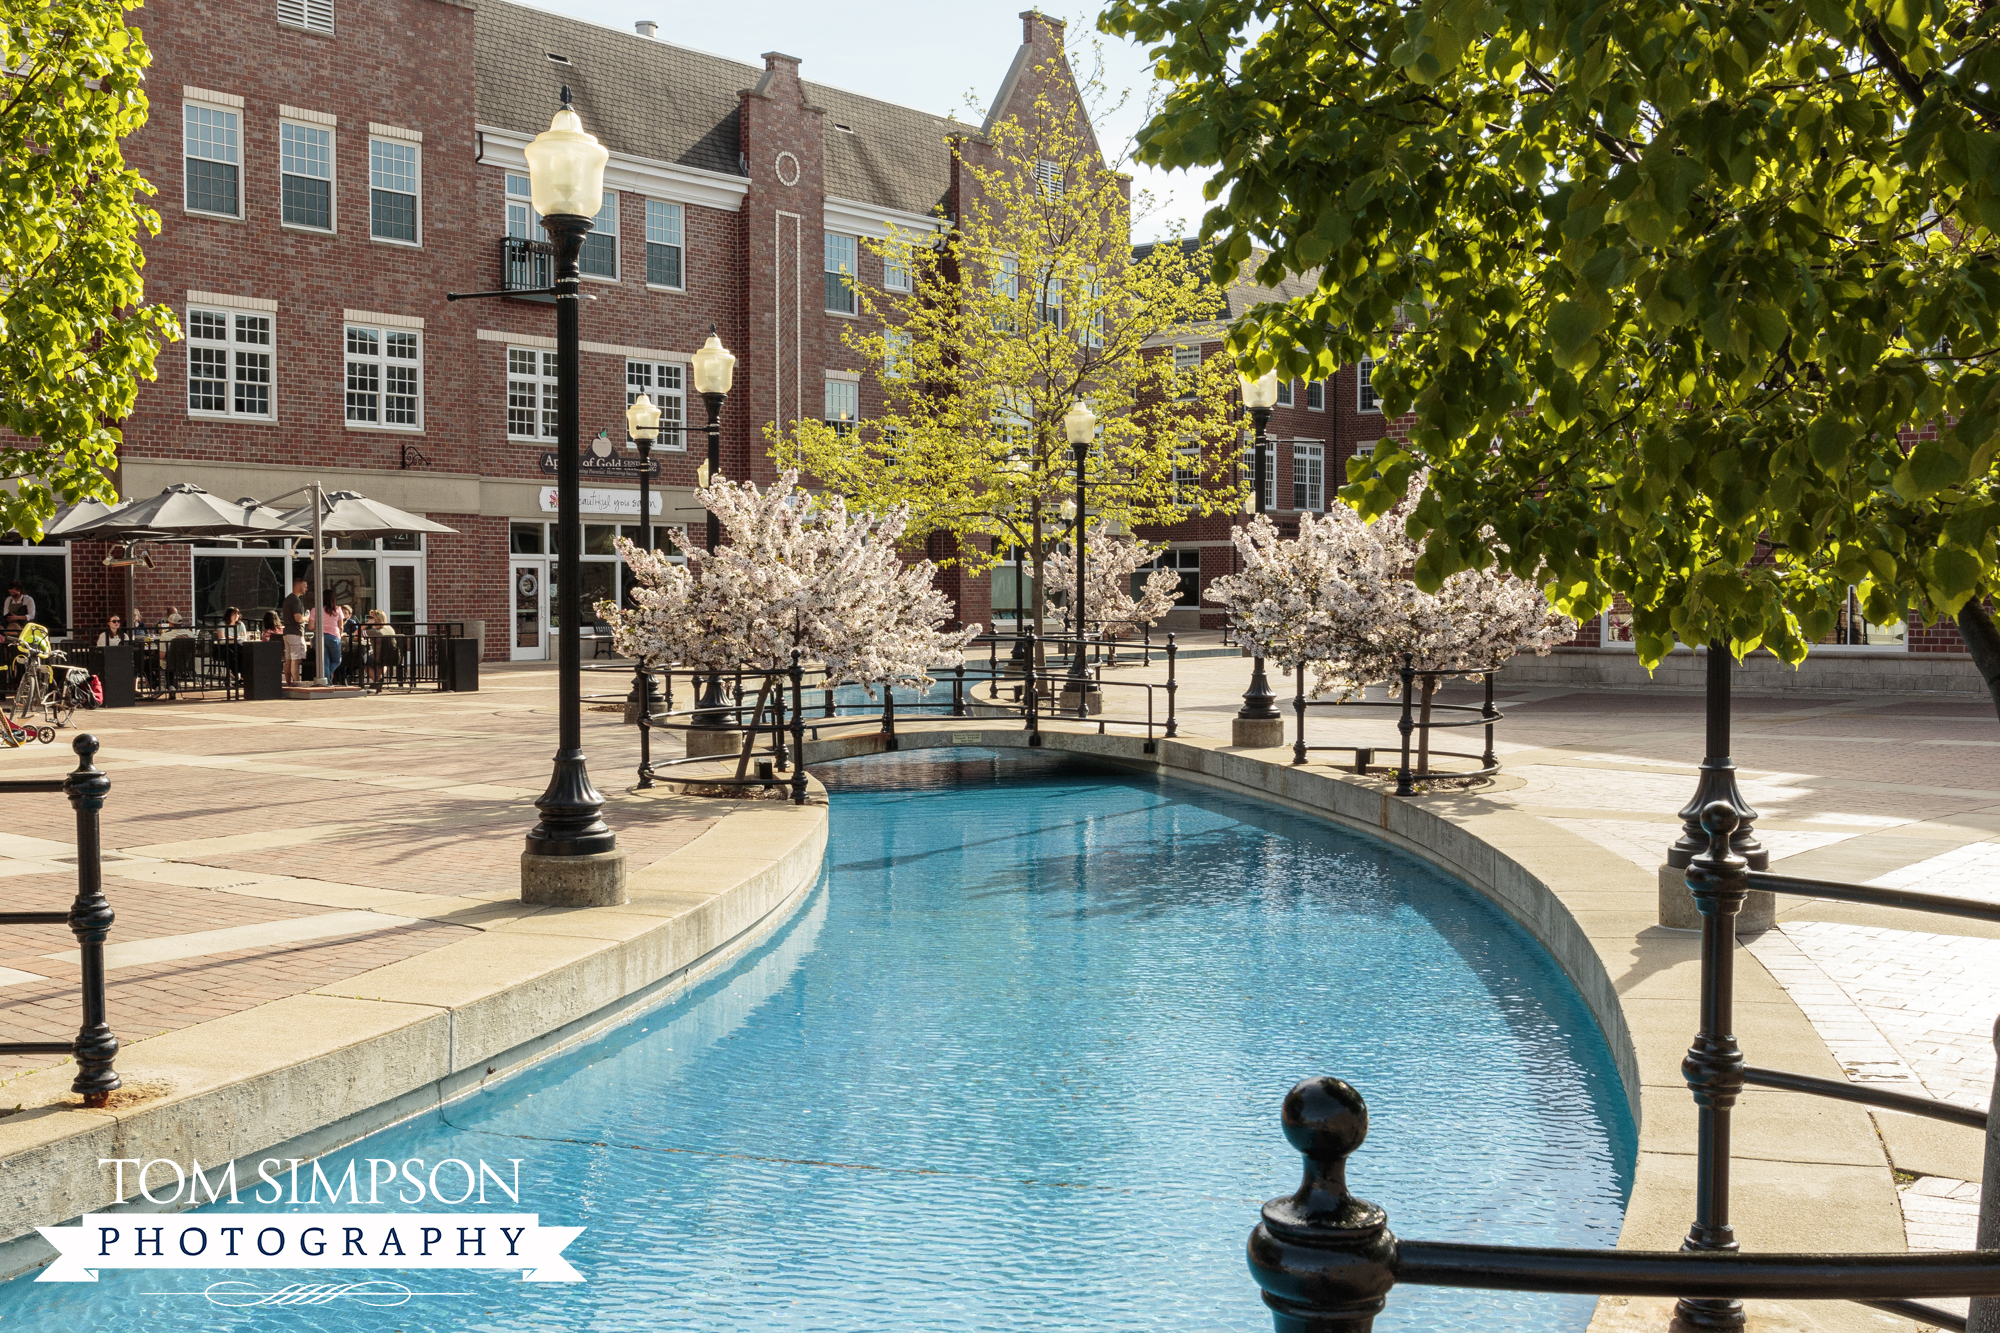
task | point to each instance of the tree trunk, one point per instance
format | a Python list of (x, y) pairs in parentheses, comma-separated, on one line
[(1982, 640), (1424, 727)]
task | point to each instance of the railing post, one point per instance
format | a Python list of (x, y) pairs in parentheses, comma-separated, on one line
[(798, 731), (1489, 759), (90, 919), (1985, 1315), (1299, 707), (1325, 1259), (889, 715), (1172, 726), (958, 689), (1406, 726), (1720, 881), (641, 701), (1718, 779), (827, 690), (778, 723), (1033, 695)]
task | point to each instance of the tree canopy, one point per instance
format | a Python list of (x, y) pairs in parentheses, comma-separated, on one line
[(75, 335), (1031, 300), (1696, 303)]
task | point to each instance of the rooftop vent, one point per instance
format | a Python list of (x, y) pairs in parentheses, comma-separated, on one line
[(560, 60), (645, 27), (844, 129)]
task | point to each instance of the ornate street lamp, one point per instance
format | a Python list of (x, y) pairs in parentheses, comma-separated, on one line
[(1258, 724), (642, 423), (714, 372), (1080, 428)]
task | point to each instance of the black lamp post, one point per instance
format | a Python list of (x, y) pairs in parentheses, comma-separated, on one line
[(714, 373), (1080, 428), (642, 423), (1260, 702)]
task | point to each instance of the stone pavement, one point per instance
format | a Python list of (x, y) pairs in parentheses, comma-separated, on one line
[(1900, 791), (260, 850)]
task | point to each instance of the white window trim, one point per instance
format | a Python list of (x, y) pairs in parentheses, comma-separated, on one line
[(834, 377), (232, 104), (652, 286), (530, 346), (617, 242), (383, 327), (1320, 446), (311, 121), (1322, 396), (853, 276), (229, 308), (1377, 409), (686, 374), (401, 137)]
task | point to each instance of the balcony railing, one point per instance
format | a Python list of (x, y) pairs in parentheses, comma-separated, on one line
[(525, 265)]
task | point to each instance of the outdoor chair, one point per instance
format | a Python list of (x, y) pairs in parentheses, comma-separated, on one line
[(600, 633), (183, 666)]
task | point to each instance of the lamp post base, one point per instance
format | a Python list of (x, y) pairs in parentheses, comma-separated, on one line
[(1256, 733), (597, 880), (706, 741)]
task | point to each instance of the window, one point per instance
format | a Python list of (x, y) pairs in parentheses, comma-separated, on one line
[(305, 183), (600, 245), (1013, 422), (531, 394), (313, 15), (1187, 564), (1316, 395), (896, 353), (1365, 450), (1093, 294), (212, 150), (896, 267), (385, 377), (1187, 361), (1365, 399), (1284, 393), (665, 227), (1049, 309), (1187, 465), (392, 191), (1007, 287), (523, 223), (229, 363), (843, 404), (1049, 179), (1308, 475), (840, 273), (662, 380)]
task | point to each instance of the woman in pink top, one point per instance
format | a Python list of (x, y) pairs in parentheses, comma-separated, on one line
[(327, 624)]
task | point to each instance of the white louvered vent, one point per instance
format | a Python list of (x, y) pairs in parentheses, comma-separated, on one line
[(313, 15)]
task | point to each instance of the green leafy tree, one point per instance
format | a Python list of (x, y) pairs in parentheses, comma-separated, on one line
[(1032, 301), (1696, 303), (75, 334)]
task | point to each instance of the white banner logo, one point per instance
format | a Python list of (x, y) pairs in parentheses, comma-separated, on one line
[(311, 1240)]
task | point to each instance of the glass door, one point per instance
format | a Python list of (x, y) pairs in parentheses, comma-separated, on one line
[(530, 591), (402, 592)]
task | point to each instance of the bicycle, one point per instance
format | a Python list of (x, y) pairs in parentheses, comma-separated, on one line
[(56, 693)]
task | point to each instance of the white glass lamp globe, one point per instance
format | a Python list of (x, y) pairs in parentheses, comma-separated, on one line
[(642, 419), (1262, 391), (1080, 423), (714, 366), (566, 169)]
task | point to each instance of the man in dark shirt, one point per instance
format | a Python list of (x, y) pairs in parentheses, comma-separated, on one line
[(292, 618)]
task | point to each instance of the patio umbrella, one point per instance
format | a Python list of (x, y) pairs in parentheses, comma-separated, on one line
[(73, 516), (352, 514), (185, 512)]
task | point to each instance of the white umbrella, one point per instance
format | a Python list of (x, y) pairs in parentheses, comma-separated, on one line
[(72, 516), (352, 514), (184, 512)]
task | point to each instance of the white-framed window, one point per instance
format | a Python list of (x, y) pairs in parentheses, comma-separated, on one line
[(599, 258), (1049, 306), (1365, 450), (1187, 463), (312, 15), (843, 404), (212, 147), (1093, 292), (1284, 393), (666, 233), (1315, 395), (1364, 376), (305, 180), (394, 173), (1186, 563), (1187, 361), (1006, 283), (523, 223), (531, 394), (840, 273), (1049, 178), (230, 355), (896, 267), (896, 353), (385, 377), (1013, 422), (664, 382), (1308, 475)]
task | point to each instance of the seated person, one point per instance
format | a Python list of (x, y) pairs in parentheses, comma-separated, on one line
[(114, 633)]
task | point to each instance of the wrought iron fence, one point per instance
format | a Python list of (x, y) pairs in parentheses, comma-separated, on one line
[(525, 265), (1418, 720), (89, 918)]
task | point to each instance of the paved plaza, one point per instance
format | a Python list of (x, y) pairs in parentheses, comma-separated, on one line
[(257, 851)]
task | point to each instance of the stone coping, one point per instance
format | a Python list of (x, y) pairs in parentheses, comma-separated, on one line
[(1811, 1174), (305, 1075)]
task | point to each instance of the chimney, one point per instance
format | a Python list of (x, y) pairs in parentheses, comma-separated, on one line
[(646, 27)]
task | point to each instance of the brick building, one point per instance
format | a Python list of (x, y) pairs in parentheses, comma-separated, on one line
[(320, 201)]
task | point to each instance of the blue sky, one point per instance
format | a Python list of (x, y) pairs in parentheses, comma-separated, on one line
[(917, 52)]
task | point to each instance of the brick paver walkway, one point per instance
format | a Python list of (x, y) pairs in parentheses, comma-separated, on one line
[(255, 851)]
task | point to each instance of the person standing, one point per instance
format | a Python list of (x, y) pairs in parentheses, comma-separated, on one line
[(327, 622), (292, 618), (18, 609)]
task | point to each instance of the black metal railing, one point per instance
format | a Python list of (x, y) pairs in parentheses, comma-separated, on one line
[(414, 657), (1417, 719), (526, 266), (770, 748), (89, 919), (1327, 1260)]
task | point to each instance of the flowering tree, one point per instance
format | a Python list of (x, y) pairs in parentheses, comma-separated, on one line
[(798, 574), (1109, 562)]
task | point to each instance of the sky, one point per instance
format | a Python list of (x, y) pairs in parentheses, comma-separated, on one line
[(917, 52)]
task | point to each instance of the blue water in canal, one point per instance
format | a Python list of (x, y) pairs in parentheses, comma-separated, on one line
[(1016, 1065)]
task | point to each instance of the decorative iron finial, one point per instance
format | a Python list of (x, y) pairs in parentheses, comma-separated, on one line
[(566, 98)]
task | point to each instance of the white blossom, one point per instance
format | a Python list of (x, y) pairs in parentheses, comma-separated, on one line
[(1109, 562), (798, 573)]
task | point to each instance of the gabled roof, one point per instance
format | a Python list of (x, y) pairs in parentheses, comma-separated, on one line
[(1245, 292), (647, 98)]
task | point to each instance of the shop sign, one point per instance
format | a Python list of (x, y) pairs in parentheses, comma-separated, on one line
[(602, 500), (602, 460)]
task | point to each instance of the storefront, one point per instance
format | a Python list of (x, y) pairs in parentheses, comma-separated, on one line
[(531, 566), (364, 574)]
